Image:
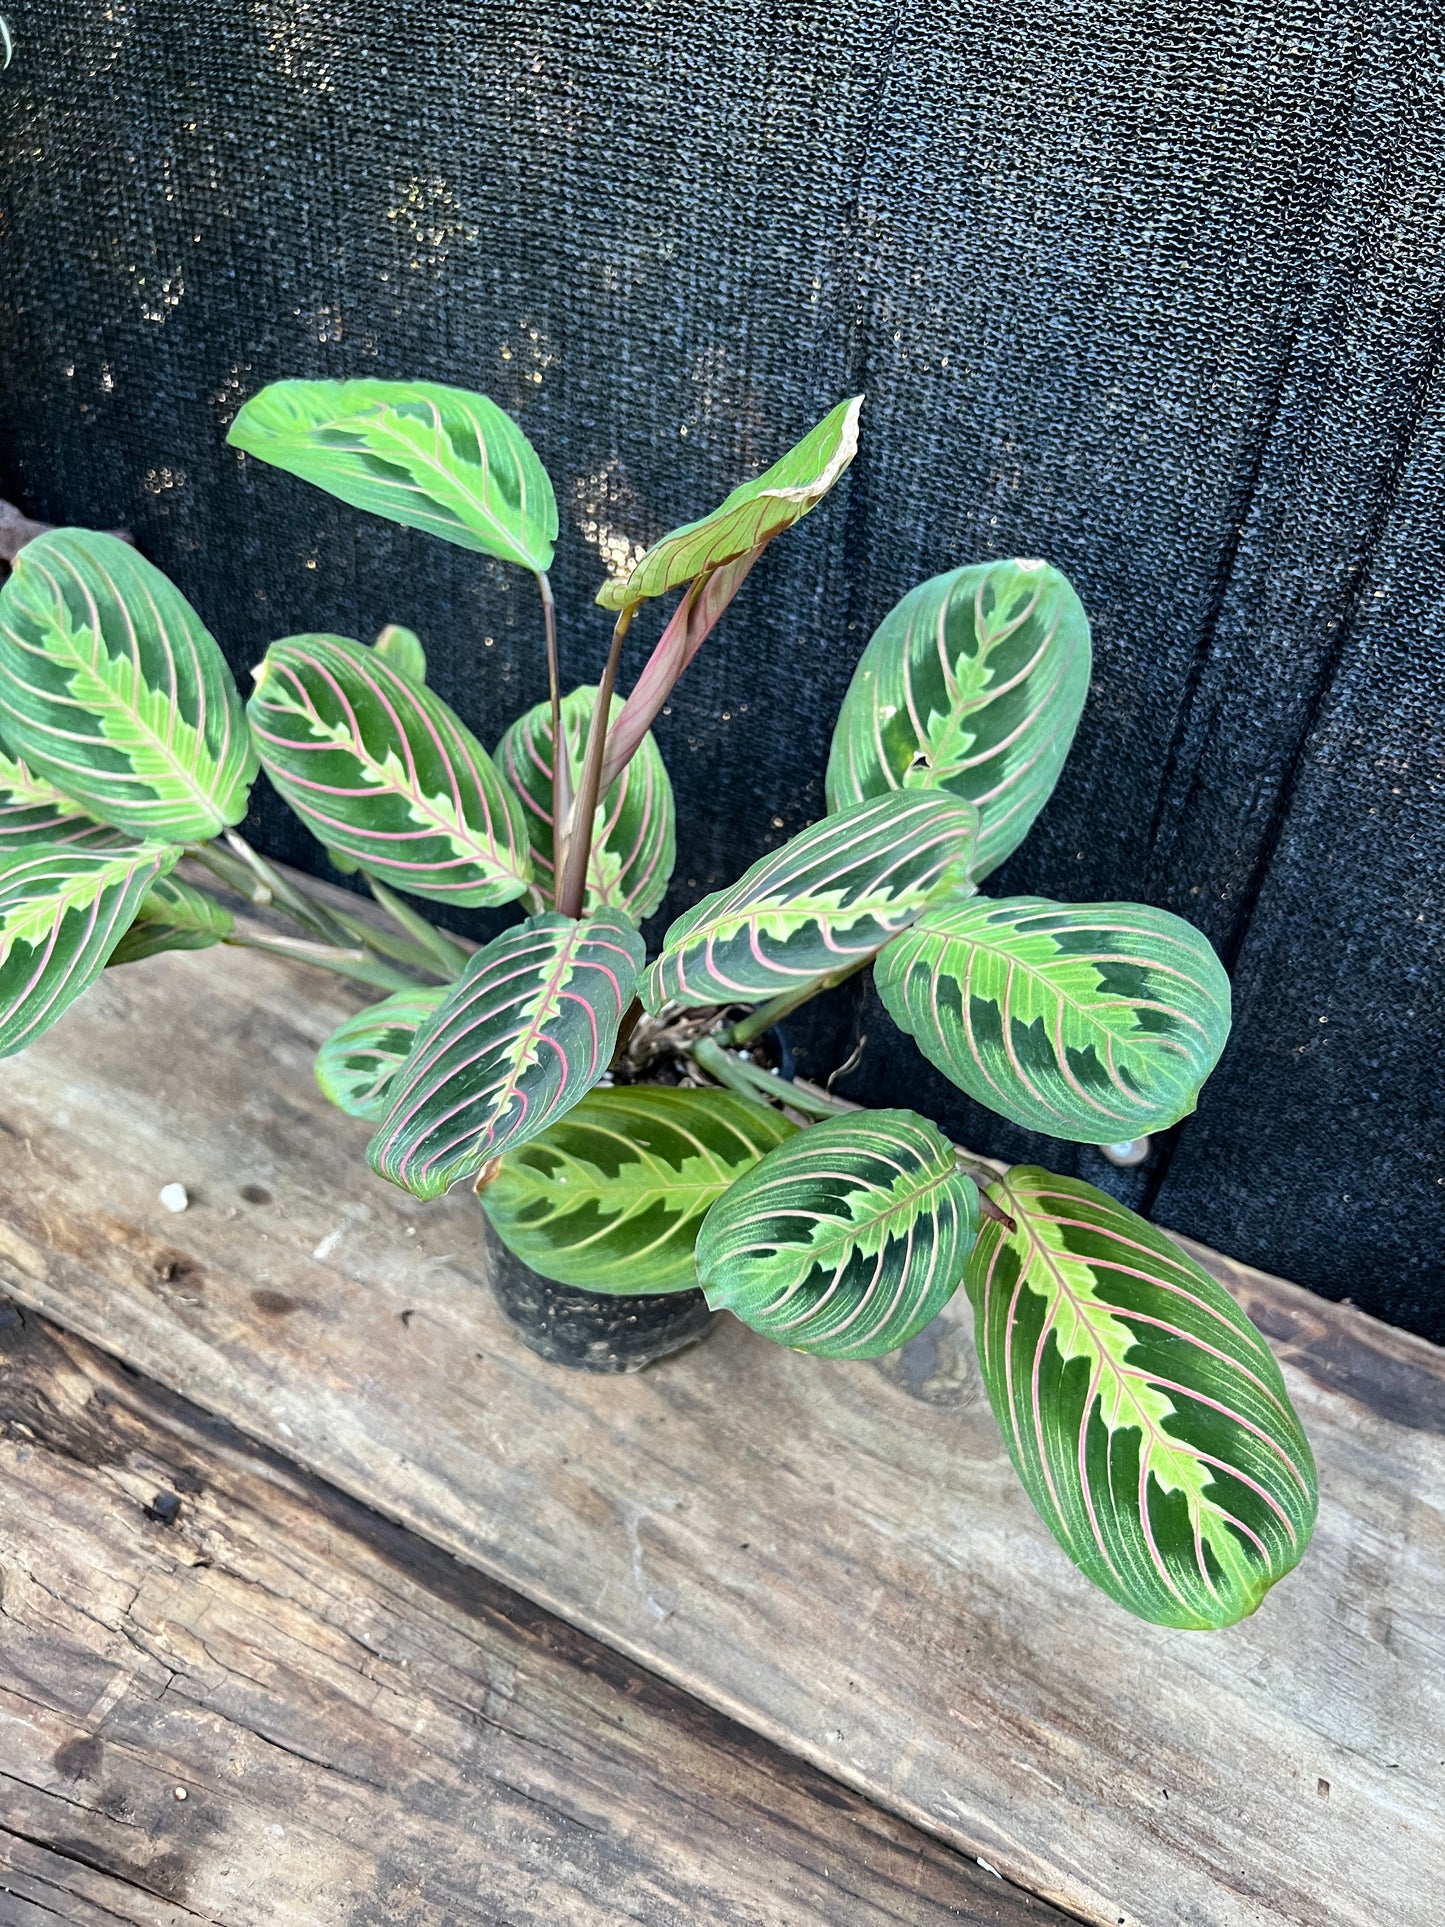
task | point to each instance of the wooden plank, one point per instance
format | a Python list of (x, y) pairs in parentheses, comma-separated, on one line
[(229, 1693), (835, 1554)]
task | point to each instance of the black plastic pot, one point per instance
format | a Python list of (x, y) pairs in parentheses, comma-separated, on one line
[(592, 1331), (597, 1331)]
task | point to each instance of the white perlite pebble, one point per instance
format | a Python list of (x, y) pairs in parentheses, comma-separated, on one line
[(174, 1197)]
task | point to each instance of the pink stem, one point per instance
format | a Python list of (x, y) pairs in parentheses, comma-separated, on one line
[(696, 616)]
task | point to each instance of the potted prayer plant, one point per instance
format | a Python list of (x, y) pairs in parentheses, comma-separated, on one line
[(639, 1166)]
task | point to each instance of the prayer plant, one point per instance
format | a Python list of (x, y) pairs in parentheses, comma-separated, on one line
[(1143, 1412)]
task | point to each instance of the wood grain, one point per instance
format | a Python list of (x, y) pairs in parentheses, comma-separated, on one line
[(835, 1554), (231, 1694)]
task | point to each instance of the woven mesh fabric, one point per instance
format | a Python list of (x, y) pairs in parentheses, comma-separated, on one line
[(1152, 291)]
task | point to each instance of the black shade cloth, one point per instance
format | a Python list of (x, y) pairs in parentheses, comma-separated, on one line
[(1152, 291)]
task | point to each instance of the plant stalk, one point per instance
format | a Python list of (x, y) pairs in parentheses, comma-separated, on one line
[(561, 773), (708, 1054), (572, 873), (308, 913), (773, 1012), (445, 951), (344, 962)]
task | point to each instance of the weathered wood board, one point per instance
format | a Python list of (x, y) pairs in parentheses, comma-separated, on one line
[(227, 1693), (837, 1555)]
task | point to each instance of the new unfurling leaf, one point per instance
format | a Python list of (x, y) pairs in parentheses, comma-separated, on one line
[(1145, 1415), (523, 1034), (750, 517), (1090, 1021), (846, 1240), (426, 456), (973, 684)]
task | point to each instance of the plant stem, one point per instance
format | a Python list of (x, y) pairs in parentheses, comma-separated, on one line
[(773, 1012), (345, 962), (238, 876), (561, 774), (749, 1081), (572, 873), (387, 943), (445, 951), (308, 913)]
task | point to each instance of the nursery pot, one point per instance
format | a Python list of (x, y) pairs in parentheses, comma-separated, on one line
[(601, 1331), (592, 1331)]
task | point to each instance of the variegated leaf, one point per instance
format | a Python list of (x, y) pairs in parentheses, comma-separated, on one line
[(750, 517), (33, 810), (1090, 1021), (430, 457), (847, 1240), (633, 843), (1144, 1413), (974, 684), (356, 1064), (173, 916), (524, 1033), (385, 774), (62, 912), (828, 898), (112, 689), (610, 1198)]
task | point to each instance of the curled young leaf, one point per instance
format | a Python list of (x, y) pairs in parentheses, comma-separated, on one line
[(973, 684), (1090, 1021), (750, 517), (634, 842), (62, 913), (429, 457), (611, 1197), (846, 1240), (112, 689), (356, 1064), (829, 898), (385, 774), (523, 1034), (1143, 1412)]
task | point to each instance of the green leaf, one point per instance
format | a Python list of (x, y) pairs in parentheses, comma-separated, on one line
[(356, 1064), (33, 810), (385, 774), (611, 1197), (1144, 1413), (402, 649), (426, 456), (830, 897), (111, 689), (173, 916), (1090, 1021), (524, 1033), (847, 1240), (751, 516), (62, 913), (973, 684), (634, 842)]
